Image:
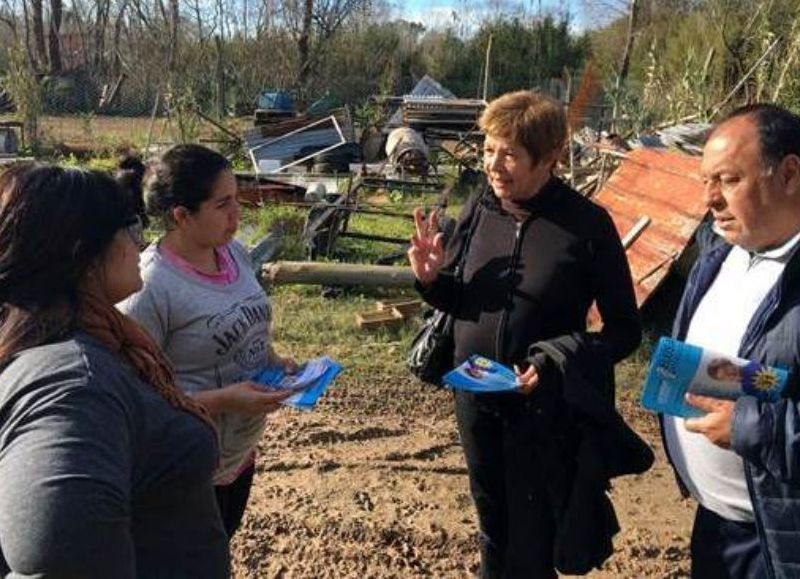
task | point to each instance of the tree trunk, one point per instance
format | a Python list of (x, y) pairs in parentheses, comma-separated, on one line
[(38, 33), (304, 48), (28, 48), (100, 25), (174, 18), (116, 62), (54, 38), (625, 63)]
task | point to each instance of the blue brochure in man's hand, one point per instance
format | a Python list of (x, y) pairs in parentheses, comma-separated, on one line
[(479, 374), (678, 368), (310, 381)]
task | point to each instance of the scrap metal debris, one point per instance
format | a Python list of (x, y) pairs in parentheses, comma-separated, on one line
[(407, 151), (654, 198), (277, 147)]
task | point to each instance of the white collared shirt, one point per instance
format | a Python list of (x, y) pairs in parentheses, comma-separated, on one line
[(714, 475)]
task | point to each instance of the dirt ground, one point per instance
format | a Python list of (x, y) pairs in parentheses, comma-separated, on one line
[(373, 484)]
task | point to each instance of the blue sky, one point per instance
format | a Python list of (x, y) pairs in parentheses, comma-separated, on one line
[(439, 13)]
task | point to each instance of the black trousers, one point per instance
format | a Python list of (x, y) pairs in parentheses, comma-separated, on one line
[(232, 500), (723, 549), (517, 526)]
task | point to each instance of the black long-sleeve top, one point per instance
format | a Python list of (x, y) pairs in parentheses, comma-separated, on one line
[(532, 280)]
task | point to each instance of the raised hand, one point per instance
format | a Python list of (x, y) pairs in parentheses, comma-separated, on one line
[(426, 254)]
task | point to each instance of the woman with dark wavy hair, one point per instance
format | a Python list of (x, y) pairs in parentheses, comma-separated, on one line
[(105, 464)]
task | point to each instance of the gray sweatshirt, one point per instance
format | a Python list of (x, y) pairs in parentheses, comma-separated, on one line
[(99, 476), (214, 335)]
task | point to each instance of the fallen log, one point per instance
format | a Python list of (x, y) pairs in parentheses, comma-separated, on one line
[(314, 272)]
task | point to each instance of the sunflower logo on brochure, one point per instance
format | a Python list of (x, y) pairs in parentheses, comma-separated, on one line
[(761, 381)]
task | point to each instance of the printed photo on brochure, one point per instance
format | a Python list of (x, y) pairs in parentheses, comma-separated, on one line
[(480, 374)]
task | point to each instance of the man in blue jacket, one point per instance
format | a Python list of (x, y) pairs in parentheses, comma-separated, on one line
[(741, 461)]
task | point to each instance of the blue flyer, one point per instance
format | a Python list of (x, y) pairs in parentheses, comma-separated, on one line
[(310, 381), (678, 368), (479, 374)]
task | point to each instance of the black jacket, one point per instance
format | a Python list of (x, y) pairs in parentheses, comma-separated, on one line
[(524, 298), (535, 280), (602, 447)]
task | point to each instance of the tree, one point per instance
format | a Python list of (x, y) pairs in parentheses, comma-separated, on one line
[(313, 23), (53, 39)]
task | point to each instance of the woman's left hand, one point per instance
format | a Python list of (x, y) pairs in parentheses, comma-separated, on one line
[(288, 364), (527, 380)]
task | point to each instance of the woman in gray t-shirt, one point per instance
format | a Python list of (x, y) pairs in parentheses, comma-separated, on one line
[(105, 465), (203, 305)]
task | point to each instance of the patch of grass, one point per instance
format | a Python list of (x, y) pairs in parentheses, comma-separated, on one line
[(258, 222), (306, 325), (367, 251)]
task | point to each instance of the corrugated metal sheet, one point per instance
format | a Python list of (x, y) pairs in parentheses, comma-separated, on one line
[(426, 88), (665, 187)]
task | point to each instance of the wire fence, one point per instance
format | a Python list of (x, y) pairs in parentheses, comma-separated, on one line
[(81, 115)]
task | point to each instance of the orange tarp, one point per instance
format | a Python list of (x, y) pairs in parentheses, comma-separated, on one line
[(666, 188)]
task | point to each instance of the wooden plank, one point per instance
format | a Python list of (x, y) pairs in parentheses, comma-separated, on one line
[(379, 319), (406, 306)]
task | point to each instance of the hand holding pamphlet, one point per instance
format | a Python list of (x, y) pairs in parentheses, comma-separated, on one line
[(678, 368), (479, 374), (310, 381)]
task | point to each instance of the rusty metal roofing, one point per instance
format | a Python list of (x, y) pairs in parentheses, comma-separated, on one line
[(665, 187)]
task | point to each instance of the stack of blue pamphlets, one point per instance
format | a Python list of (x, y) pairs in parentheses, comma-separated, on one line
[(479, 374), (678, 368), (309, 382)]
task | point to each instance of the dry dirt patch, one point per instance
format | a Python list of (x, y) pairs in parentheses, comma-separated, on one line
[(373, 484)]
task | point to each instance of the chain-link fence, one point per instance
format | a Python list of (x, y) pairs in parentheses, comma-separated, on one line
[(78, 114)]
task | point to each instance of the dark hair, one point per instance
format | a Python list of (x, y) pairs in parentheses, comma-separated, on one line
[(54, 225), (778, 131), (130, 175), (182, 177)]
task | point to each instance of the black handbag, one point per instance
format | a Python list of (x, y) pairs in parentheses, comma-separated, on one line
[(432, 349), (431, 353)]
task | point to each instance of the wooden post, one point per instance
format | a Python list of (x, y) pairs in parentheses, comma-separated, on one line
[(152, 122), (220, 74), (486, 68), (312, 272)]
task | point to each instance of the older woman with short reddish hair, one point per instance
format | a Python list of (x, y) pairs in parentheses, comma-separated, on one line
[(539, 256)]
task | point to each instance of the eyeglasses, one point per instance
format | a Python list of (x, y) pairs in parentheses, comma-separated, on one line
[(135, 230)]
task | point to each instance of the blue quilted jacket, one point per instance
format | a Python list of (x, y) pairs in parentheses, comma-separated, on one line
[(766, 435)]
